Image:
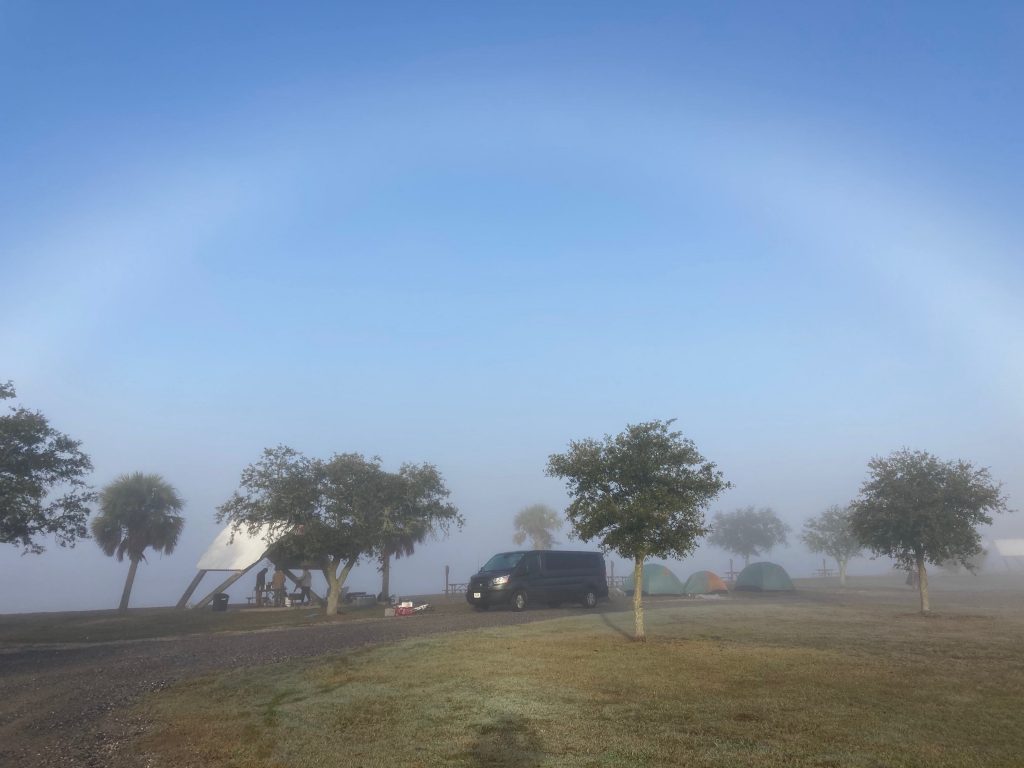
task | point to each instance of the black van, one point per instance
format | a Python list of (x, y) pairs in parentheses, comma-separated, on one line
[(541, 576)]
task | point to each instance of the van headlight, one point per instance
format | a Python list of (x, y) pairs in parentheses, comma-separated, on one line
[(497, 581)]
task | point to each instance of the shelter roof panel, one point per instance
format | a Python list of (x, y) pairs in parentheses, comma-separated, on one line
[(1010, 547), (237, 553)]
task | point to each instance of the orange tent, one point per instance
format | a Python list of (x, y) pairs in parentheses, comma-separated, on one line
[(704, 583)]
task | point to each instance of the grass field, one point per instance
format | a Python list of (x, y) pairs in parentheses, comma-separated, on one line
[(820, 678)]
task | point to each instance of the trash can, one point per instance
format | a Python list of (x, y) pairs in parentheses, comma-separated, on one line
[(220, 601)]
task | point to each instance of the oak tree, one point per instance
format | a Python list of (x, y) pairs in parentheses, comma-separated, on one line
[(830, 534), (640, 494), (918, 509), (42, 481), (334, 512), (748, 532)]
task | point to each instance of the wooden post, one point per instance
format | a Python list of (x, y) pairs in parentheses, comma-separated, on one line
[(446, 579), (732, 571), (226, 583), (190, 590)]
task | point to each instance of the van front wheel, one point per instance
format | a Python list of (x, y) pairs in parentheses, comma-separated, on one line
[(519, 601), (589, 599)]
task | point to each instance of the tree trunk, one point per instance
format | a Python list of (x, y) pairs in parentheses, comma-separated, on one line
[(333, 591), (128, 585), (746, 560), (335, 581), (639, 634), (385, 580), (922, 583), (842, 571)]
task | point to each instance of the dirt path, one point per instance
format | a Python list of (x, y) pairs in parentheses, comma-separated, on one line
[(72, 706)]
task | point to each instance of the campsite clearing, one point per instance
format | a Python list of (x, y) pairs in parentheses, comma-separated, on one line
[(822, 677)]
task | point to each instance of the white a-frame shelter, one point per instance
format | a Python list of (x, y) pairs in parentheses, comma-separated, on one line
[(1012, 552), (234, 552)]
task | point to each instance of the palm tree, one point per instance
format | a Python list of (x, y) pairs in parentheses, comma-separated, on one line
[(137, 512), (415, 508), (398, 544), (537, 523)]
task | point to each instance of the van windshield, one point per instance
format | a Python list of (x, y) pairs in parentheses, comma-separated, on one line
[(504, 561)]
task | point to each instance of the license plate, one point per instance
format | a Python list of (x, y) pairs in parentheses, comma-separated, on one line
[(476, 595)]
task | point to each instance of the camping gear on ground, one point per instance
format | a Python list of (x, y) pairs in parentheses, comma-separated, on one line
[(704, 583), (657, 580), (406, 608), (764, 577)]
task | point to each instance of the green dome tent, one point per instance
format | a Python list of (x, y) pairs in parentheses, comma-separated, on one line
[(764, 577), (704, 583), (658, 580)]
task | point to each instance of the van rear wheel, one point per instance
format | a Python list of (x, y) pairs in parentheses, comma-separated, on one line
[(589, 599), (519, 601)]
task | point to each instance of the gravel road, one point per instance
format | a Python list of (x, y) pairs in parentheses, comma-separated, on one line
[(71, 705)]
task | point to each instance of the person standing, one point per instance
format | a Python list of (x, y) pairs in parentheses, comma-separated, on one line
[(261, 586), (277, 584), (305, 584)]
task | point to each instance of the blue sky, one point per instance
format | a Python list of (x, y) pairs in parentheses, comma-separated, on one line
[(468, 235)]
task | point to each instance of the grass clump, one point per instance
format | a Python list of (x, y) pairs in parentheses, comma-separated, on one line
[(742, 682)]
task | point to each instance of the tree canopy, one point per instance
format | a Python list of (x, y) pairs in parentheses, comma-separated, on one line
[(137, 512), (748, 532), (641, 493), (330, 513), (538, 523), (918, 509), (42, 481), (830, 533)]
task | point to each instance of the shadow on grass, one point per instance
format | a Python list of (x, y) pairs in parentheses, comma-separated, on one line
[(507, 741), (620, 630)]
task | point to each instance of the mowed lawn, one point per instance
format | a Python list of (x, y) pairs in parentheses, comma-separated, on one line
[(819, 678)]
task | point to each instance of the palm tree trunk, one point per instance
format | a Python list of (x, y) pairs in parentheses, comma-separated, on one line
[(639, 633), (128, 585), (385, 570)]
